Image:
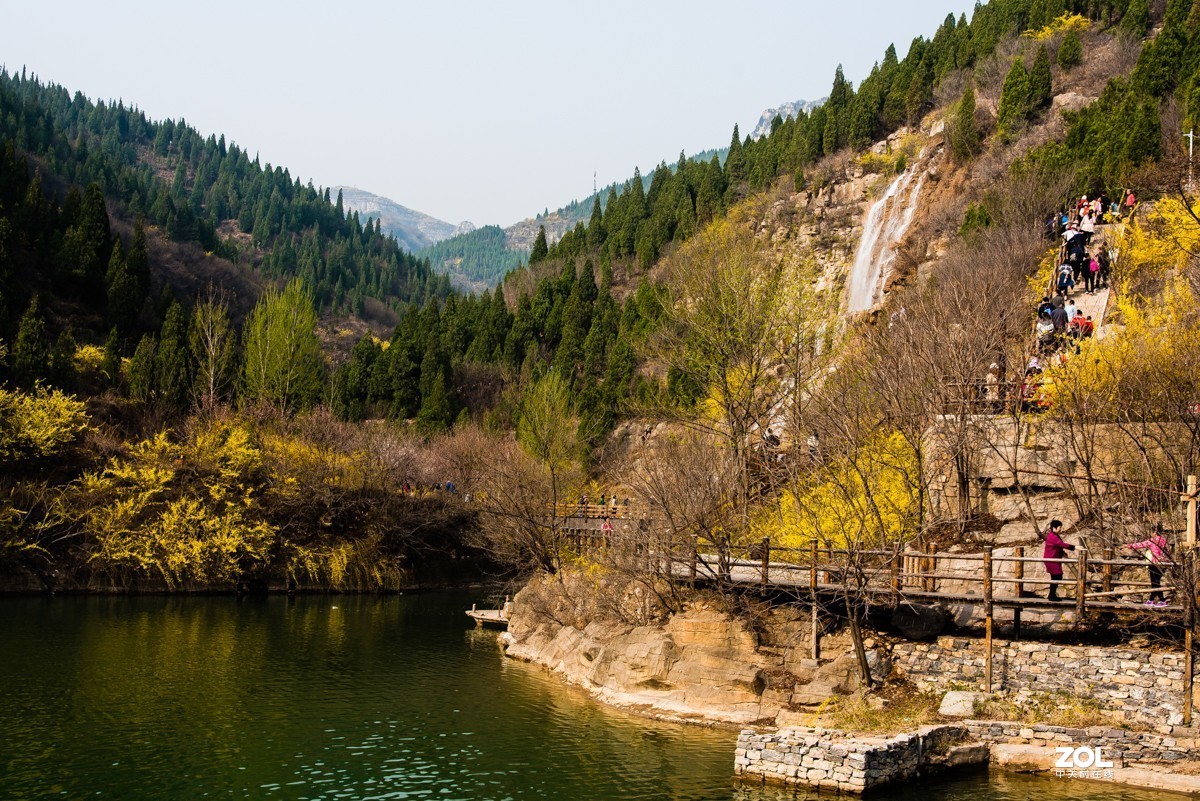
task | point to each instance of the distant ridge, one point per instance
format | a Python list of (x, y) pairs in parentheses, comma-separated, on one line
[(414, 230), (786, 111)]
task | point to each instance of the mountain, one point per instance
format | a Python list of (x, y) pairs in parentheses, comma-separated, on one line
[(787, 111), (414, 230)]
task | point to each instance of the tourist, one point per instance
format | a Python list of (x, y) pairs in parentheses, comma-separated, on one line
[(1059, 318), (1056, 547), (1065, 281), (606, 530), (1046, 306), (814, 448), (1070, 308), (1105, 266), (1045, 331), (1090, 275), (991, 387), (1156, 552)]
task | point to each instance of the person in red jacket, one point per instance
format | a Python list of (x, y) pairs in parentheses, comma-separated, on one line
[(1056, 548)]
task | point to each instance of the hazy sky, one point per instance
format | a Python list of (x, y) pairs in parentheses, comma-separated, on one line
[(481, 111)]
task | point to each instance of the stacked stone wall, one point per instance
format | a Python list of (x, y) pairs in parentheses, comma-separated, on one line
[(1136, 686)]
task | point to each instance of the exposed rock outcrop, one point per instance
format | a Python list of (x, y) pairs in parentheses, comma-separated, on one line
[(701, 664)]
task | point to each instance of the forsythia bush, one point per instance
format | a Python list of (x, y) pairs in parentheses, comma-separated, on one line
[(879, 485), (38, 425)]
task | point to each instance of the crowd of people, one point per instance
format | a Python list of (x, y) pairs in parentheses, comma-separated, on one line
[(1083, 267)]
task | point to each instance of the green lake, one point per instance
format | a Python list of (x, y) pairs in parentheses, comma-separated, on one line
[(348, 697)]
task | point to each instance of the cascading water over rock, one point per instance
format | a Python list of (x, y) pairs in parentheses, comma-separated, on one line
[(887, 221)]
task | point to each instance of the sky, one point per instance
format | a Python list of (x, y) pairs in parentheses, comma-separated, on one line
[(465, 110)]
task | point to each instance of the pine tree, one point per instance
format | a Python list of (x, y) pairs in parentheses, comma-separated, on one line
[(1041, 89), (141, 370), (1070, 51), (137, 261), (62, 360), (735, 161), (964, 134), (540, 249), (111, 365), (1136, 20), (1014, 100), (172, 373), (30, 351), (435, 413)]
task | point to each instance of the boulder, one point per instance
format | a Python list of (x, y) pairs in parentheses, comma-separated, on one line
[(918, 622), (960, 703)]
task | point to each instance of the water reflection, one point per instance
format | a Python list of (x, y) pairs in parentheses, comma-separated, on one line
[(329, 698)]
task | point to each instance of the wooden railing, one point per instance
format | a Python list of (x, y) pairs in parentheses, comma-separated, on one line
[(896, 573)]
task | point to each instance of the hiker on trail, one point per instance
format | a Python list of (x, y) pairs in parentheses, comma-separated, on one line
[(1105, 266), (1045, 307), (1059, 318), (1088, 226), (1045, 331), (1130, 202), (606, 530), (1065, 281), (1070, 308), (1056, 548), (1091, 275), (1157, 552)]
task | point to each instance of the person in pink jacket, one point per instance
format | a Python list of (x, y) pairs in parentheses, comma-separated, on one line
[(1156, 552), (1056, 548)]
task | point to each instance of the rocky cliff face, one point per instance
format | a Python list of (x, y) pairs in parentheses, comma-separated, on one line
[(700, 665), (413, 229), (786, 111)]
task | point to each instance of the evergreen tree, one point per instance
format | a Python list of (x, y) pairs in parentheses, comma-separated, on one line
[(1136, 20), (137, 261), (1041, 89), (30, 351), (172, 373), (111, 365), (1070, 51), (1014, 100), (964, 134), (540, 249), (141, 370), (62, 360), (435, 413), (735, 161)]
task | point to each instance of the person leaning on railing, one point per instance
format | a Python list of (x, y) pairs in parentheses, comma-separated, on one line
[(1156, 551)]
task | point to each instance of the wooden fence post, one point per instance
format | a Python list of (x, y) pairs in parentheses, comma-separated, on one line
[(933, 560), (1080, 584), (896, 574), (987, 619), (1106, 570), (1190, 537), (1018, 574), (812, 568), (766, 560)]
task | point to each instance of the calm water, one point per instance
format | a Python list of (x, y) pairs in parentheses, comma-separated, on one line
[(337, 698)]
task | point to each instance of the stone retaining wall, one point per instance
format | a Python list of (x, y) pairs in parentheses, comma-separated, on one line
[(1119, 745), (1134, 685), (833, 760)]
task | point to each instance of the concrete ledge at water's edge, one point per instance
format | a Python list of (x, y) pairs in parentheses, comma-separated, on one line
[(835, 760)]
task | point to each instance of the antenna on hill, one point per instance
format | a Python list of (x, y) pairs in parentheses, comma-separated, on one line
[(593, 182)]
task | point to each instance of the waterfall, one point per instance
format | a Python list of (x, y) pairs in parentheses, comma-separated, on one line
[(886, 223)]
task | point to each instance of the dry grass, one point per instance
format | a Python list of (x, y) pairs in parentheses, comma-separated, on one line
[(902, 709), (1059, 709)]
